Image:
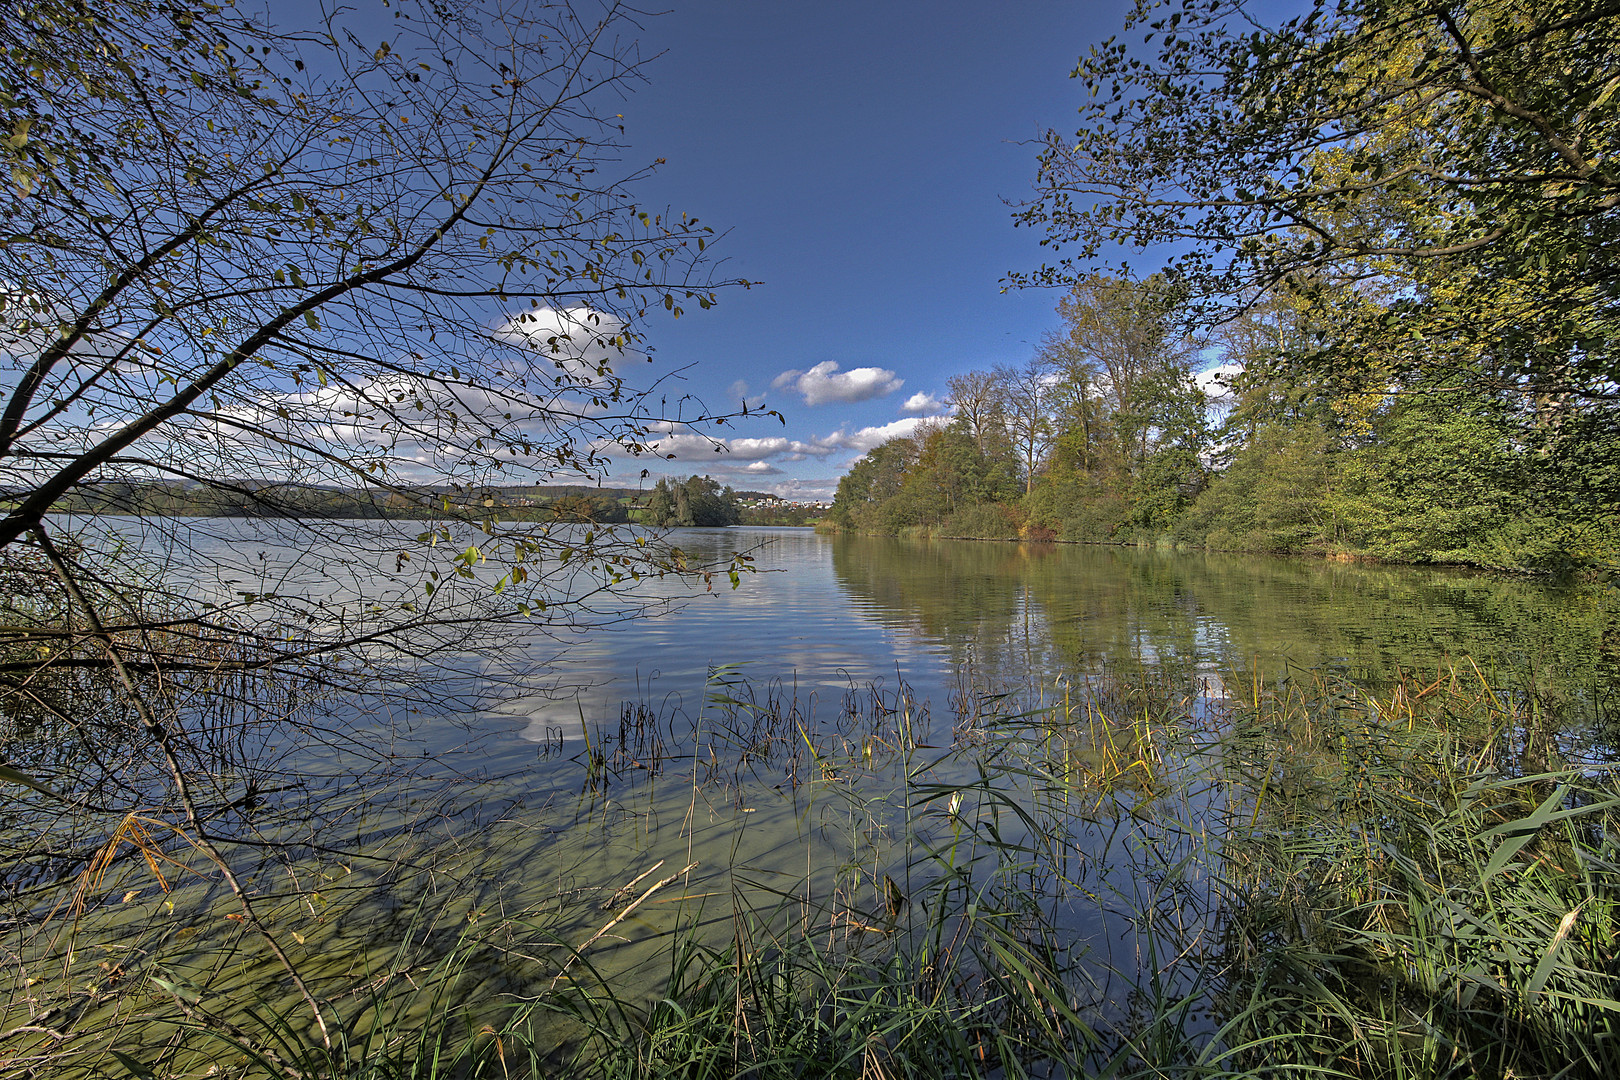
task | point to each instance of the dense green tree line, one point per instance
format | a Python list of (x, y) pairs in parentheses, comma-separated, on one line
[(1101, 435), (1106, 435), (697, 500), (1392, 221)]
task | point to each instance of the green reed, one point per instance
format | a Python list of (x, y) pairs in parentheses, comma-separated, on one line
[(1299, 876), (1346, 884), (1407, 898)]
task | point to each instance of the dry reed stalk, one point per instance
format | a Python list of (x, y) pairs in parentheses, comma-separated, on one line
[(625, 914)]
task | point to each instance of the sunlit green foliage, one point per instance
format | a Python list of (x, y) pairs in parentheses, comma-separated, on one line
[(1454, 157), (1399, 218), (1103, 432), (1383, 401), (1272, 497)]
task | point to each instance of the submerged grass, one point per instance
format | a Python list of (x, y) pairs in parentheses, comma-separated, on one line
[(1143, 877)]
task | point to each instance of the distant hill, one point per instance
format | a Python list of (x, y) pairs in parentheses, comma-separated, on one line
[(259, 498)]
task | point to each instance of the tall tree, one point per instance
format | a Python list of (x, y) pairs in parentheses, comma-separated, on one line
[(1436, 176), (1029, 393), (976, 399), (953, 473), (1121, 336), (1077, 408), (409, 261), (867, 495)]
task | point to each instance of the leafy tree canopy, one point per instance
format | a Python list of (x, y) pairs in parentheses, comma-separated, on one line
[(244, 261), (235, 252), (696, 501), (1436, 177)]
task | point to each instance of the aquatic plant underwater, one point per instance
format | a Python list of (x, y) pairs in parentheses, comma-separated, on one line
[(1135, 874)]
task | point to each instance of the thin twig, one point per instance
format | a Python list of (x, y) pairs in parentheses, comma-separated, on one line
[(624, 890), (162, 737)]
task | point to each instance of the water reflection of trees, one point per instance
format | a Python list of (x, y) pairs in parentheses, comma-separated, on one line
[(1080, 609)]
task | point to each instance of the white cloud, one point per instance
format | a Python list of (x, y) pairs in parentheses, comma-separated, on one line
[(805, 490), (584, 346), (759, 449), (824, 383), (758, 468), (682, 446), (922, 404), (674, 441), (868, 438), (721, 469), (1217, 381)]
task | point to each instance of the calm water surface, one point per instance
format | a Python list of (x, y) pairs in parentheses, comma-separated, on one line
[(829, 612), (547, 801)]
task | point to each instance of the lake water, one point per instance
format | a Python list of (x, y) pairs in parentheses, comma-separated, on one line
[(839, 726), (835, 624), (831, 612)]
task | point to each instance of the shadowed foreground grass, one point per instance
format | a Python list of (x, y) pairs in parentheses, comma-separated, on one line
[(1416, 884)]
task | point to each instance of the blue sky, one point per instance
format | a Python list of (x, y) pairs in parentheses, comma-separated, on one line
[(857, 157), (859, 160)]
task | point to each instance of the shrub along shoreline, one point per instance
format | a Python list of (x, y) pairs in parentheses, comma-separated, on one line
[(1005, 524)]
